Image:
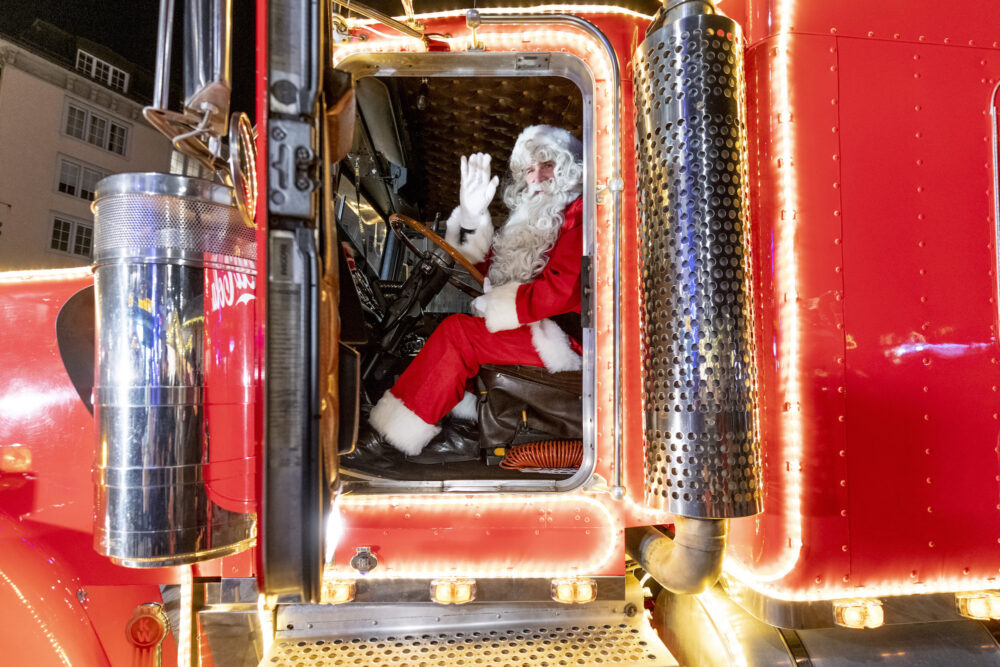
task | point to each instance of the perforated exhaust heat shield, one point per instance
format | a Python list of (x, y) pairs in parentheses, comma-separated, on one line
[(702, 451)]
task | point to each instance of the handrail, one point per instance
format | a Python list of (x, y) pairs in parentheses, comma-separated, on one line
[(474, 19)]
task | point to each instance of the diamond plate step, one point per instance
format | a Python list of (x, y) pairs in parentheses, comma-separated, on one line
[(427, 635)]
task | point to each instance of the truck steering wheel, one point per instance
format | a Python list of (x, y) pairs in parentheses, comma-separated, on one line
[(399, 222)]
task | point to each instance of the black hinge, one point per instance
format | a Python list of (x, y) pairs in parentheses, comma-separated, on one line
[(586, 293)]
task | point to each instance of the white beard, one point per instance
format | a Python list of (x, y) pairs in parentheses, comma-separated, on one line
[(520, 249)]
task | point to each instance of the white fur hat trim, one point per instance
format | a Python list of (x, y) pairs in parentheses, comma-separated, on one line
[(536, 136)]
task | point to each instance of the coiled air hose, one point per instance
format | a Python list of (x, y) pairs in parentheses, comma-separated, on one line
[(546, 454)]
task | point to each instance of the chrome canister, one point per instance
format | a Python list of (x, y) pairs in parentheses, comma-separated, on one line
[(159, 241)]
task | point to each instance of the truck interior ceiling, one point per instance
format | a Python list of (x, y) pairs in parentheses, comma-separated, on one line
[(397, 285)]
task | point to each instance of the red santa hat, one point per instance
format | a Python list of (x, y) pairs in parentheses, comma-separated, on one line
[(535, 138)]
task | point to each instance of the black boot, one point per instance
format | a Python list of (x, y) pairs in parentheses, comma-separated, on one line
[(372, 454), (457, 441)]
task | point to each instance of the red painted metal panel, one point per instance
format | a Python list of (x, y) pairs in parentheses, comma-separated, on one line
[(43, 620), (110, 608), (965, 22), (506, 535), (922, 355), (797, 543), (229, 378), (871, 204), (41, 411)]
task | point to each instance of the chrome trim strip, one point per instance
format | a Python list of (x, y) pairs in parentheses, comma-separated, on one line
[(166, 185), (996, 184), (812, 614), (616, 185), (176, 257), (444, 64), (164, 40)]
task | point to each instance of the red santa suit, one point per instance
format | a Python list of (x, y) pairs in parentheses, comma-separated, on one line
[(515, 330)]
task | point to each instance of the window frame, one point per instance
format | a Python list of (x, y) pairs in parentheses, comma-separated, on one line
[(77, 230), (505, 65), (82, 168), (101, 70), (107, 136)]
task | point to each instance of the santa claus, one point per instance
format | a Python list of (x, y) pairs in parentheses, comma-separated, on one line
[(529, 313)]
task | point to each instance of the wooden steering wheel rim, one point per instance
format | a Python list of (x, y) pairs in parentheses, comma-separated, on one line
[(397, 220)]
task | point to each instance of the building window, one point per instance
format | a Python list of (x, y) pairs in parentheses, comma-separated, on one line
[(96, 129), (69, 236), (82, 241), (78, 180), (76, 122), (116, 139), (102, 71), (84, 62), (61, 231)]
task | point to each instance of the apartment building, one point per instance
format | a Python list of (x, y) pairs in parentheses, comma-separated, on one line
[(70, 114)]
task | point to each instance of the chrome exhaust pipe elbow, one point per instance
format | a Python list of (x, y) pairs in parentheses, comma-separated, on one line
[(688, 563)]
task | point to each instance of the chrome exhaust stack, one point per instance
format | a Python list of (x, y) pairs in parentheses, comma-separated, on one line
[(196, 130), (174, 275), (701, 445)]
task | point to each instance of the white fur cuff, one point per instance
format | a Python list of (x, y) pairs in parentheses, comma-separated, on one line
[(400, 426), (478, 237), (467, 408), (552, 345), (501, 308)]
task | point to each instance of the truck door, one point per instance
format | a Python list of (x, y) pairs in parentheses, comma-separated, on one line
[(305, 410)]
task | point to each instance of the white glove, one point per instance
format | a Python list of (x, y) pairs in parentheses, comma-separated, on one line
[(478, 305), (477, 189)]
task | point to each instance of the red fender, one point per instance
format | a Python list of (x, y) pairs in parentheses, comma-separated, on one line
[(43, 621)]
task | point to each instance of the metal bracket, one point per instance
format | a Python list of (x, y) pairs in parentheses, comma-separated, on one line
[(290, 164), (529, 62)]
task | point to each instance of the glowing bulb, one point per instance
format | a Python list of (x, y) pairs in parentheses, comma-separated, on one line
[(15, 458), (338, 591), (574, 591), (453, 591), (859, 613), (564, 592), (875, 617), (980, 605)]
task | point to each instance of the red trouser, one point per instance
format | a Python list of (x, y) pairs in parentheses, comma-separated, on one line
[(435, 380)]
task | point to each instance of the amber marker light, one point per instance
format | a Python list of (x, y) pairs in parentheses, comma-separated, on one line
[(337, 591), (574, 591), (15, 459), (979, 605), (858, 613), (453, 591)]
